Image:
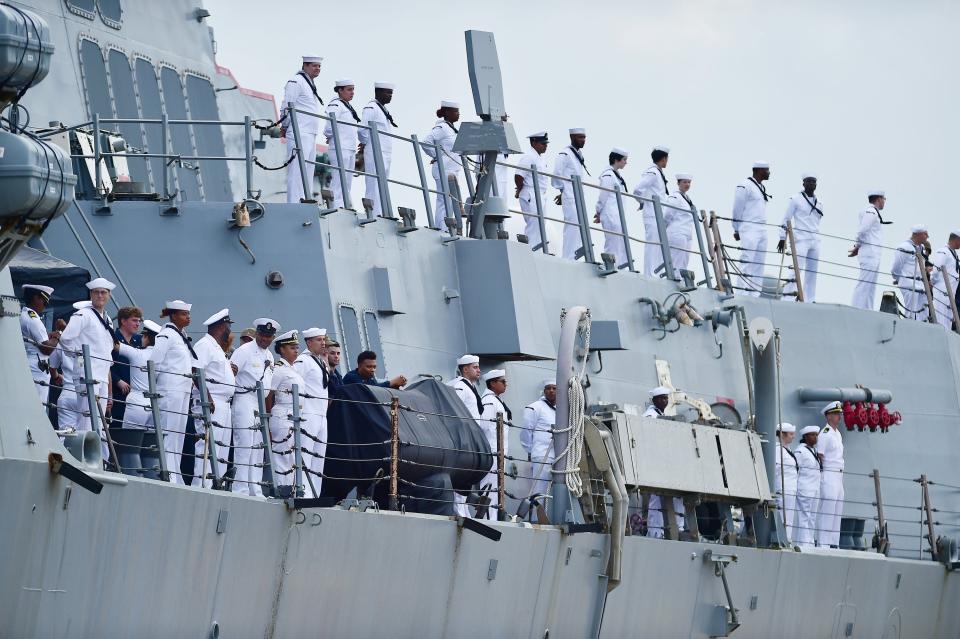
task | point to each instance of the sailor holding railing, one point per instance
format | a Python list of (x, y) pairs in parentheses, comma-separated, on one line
[(907, 274), (946, 257), (443, 135), (523, 181), (866, 249)]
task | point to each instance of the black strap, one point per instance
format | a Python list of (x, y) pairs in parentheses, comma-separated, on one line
[(103, 322), (349, 108), (763, 191), (450, 124), (622, 183), (185, 339), (815, 456), (880, 216), (790, 452), (507, 408), (579, 158), (686, 199), (663, 177), (323, 369), (386, 113), (813, 205), (313, 87), (475, 394)]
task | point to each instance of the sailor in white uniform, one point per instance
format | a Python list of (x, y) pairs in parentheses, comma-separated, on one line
[(493, 404), (749, 220), (221, 386), (786, 469), (523, 181), (830, 447), (465, 384), (608, 213), (346, 116), (946, 257), (138, 413), (312, 367), (443, 135), (539, 420), (302, 92), (680, 221), (659, 400), (65, 360), (92, 326), (254, 363), (805, 212), (174, 358), (652, 182), (866, 249), (809, 471), (36, 341), (376, 111), (280, 405), (570, 163), (907, 275)]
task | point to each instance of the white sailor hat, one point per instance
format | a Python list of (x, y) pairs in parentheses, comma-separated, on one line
[(449, 104), (761, 165), (343, 83), (877, 192), (101, 282), (955, 232), (82, 304), (578, 131), (468, 359), (223, 315), (808, 176), (918, 228), (550, 381), (312, 59), (266, 326), (684, 176), (389, 86), (619, 151), (46, 291), (290, 337), (538, 135), (786, 428), (832, 407), (151, 326), (312, 332), (662, 149), (660, 390), (176, 305), (806, 430), (494, 374)]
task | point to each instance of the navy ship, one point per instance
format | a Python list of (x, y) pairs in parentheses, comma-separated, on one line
[(127, 153)]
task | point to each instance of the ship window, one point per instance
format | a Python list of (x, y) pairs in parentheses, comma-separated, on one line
[(203, 106), (111, 12), (83, 8), (176, 106), (95, 79), (371, 327), (152, 109), (350, 330), (125, 100)]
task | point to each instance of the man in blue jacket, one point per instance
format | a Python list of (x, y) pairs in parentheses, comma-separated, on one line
[(366, 373)]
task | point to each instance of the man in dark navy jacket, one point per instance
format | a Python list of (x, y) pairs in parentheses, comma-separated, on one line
[(366, 373)]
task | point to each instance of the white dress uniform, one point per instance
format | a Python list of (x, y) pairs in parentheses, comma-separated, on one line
[(254, 364), (492, 404), (808, 495), (569, 163), (949, 258), (65, 361), (34, 333), (347, 136), (654, 508), (680, 230), (909, 279), (302, 92), (470, 397), (830, 445), (376, 112), (174, 360), (539, 419), (805, 212), (316, 382), (868, 240), (786, 471), (221, 386), (443, 134), (281, 421), (652, 182), (528, 199), (609, 214), (137, 413), (749, 218)]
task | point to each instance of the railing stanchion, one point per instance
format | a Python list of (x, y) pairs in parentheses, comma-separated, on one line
[(248, 155), (299, 150), (704, 259), (931, 536), (791, 240), (268, 476), (948, 285), (535, 176), (297, 443), (471, 187), (92, 404), (668, 271), (931, 312), (165, 150), (154, 397), (626, 233), (418, 155), (394, 452), (881, 519), (97, 176), (341, 172), (386, 206), (445, 187), (583, 218), (211, 446), (501, 458)]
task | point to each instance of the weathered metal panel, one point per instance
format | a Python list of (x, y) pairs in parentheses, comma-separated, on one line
[(209, 139)]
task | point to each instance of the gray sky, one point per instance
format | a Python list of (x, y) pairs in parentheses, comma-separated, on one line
[(855, 91)]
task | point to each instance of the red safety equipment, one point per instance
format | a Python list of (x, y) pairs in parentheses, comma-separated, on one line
[(897, 417), (873, 417), (885, 418), (861, 411), (849, 417)]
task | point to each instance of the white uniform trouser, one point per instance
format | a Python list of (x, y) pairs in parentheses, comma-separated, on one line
[(372, 184), (83, 414), (41, 381), (831, 507), (613, 244), (440, 209), (349, 166), (941, 304), (222, 421), (679, 250), (807, 506), (655, 523), (753, 251), (788, 507), (652, 253), (572, 240), (914, 301), (531, 223), (174, 408), (246, 459), (866, 288), (308, 142), (137, 413), (67, 412), (315, 425), (541, 473), (808, 259), (281, 443)]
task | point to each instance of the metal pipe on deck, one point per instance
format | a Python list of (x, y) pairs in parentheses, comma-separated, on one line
[(840, 394)]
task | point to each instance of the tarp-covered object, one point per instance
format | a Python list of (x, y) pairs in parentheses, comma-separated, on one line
[(30, 266), (438, 438)]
